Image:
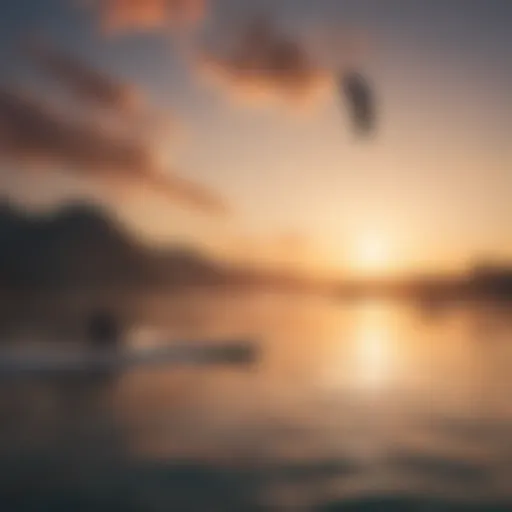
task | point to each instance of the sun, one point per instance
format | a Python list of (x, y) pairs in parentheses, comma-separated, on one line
[(371, 255)]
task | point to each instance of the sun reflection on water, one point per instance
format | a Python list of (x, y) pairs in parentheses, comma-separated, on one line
[(373, 351), (366, 354)]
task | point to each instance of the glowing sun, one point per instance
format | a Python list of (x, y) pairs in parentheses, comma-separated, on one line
[(371, 254)]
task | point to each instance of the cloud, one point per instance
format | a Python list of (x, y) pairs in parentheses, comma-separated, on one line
[(35, 135), (85, 83), (263, 64), (147, 15), (89, 86)]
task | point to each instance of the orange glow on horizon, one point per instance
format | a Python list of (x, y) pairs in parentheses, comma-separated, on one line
[(372, 254)]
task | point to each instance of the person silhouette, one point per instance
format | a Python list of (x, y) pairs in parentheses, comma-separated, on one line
[(103, 331)]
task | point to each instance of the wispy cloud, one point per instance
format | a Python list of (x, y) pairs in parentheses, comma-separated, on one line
[(86, 83), (123, 15), (34, 134), (117, 102), (261, 63)]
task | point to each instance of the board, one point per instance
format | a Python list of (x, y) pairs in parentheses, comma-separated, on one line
[(23, 360)]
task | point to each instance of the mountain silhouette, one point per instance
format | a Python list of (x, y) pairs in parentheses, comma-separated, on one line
[(81, 246)]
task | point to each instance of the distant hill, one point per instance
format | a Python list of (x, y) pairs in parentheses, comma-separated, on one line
[(81, 246)]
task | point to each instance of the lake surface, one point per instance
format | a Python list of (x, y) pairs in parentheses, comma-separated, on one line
[(349, 401)]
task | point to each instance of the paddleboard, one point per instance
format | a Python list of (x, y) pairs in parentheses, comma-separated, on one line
[(15, 361)]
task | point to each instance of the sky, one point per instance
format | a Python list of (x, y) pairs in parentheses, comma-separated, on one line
[(117, 101)]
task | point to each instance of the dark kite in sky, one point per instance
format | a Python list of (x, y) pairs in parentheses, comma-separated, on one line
[(360, 101)]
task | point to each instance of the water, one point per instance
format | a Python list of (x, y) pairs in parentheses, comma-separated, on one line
[(349, 402)]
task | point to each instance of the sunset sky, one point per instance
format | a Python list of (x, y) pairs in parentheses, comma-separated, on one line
[(431, 191)]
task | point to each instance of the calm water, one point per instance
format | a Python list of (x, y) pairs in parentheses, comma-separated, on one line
[(347, 401)]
